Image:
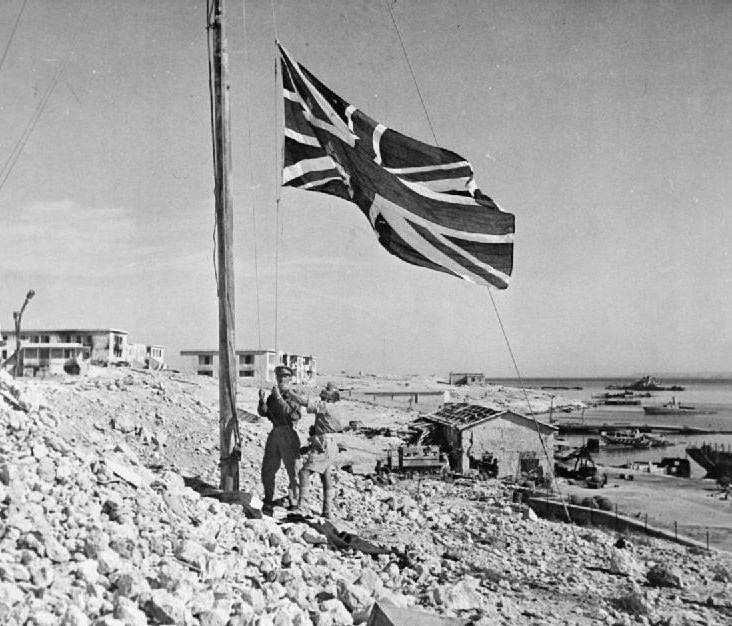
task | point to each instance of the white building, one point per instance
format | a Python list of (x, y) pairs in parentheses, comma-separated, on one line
[(256, 364), (41, 350)]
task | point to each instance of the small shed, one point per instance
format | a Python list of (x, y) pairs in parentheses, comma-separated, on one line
[(503, 443), (467, 378)]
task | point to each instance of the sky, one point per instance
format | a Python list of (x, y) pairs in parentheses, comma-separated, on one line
[(604, 127)]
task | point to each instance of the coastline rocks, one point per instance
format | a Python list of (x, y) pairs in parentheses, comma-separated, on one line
[(662, 575), (96, 525)]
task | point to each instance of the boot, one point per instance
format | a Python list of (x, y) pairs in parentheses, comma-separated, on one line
[(292, 499)]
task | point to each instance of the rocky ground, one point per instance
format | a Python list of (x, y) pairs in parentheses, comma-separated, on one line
[(98, 527)]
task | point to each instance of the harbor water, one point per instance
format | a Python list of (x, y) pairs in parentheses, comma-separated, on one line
[(712, 397)]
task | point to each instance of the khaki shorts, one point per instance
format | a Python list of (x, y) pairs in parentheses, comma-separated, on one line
[(317, 461)]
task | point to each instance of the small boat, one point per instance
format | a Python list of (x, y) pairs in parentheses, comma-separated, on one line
[(657, 441), (562, 447), (622, 398), (626, 438), (674, 408), (624, 401)]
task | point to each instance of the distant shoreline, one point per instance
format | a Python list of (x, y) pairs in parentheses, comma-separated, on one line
[(629, 379)]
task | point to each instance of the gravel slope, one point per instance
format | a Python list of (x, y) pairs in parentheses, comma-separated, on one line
[(97, 527)]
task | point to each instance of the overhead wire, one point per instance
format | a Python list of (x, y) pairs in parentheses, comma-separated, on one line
[(495, 308), (12, 34), (20, 144)]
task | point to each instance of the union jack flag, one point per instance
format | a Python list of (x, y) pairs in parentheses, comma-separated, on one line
[(422, 201)]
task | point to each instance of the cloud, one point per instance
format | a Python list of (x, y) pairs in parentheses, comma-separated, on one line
[(67, 239)]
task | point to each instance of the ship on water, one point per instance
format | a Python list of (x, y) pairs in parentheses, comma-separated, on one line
[(633, 438), (674, 408), (647, 383), (714, 459)]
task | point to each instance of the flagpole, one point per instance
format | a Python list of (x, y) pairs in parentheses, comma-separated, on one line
[(229, 449)]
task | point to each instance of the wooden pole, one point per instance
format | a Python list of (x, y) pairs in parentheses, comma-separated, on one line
[(229, 449)]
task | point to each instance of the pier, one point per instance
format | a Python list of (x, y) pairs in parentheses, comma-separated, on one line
[(579, 428)]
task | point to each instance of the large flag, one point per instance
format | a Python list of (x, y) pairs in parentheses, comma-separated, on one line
[(422, 201)]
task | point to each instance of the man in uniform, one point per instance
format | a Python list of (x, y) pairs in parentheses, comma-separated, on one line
[(282, 408), (322, 448)]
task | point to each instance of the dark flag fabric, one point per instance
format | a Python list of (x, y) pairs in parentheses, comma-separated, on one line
[(421, 201)]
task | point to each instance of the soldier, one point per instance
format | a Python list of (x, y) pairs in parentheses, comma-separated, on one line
[(322, 448), (282, 408)]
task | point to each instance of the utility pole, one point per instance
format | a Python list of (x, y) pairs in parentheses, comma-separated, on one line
[(229, 449), (17, 316)]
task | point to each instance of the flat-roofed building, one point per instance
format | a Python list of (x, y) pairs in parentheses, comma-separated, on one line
[(53, 359), (106, 346), (256, 364), (467, 378), (145, 356)]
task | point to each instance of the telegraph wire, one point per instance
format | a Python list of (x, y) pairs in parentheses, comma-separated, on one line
[(17, 150), (12, 34)]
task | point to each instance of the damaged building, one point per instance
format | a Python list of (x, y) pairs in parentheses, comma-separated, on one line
[(501, 443), (71, 350)]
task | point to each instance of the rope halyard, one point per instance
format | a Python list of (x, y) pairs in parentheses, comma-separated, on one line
[(279, 161), (550, 461), (500, 322), (251, 173), (411, 70), (209, 14)]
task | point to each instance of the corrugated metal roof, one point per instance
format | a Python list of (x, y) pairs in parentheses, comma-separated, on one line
[(463, 415)]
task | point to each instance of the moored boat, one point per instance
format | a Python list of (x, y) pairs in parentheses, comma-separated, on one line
[(714, 459), (626, 438), (674, 408)]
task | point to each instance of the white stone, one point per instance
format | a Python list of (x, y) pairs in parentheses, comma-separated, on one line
[(108, 561), (75, 617), (87, 571), (339, 614), (10, 593), (44, 618)]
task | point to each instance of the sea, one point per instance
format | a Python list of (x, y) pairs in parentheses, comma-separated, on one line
[(713, 396)]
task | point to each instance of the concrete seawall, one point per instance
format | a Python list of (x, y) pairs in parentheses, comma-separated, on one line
[(610, 520)]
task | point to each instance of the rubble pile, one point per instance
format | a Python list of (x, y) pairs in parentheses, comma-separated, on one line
[(97, 527)]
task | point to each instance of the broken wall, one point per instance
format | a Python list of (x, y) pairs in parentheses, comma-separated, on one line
[(510, 444)]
